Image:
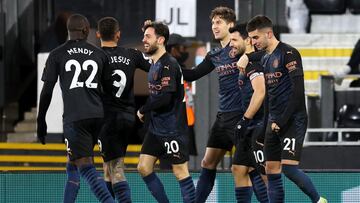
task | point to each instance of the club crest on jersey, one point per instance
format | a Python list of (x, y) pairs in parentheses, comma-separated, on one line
[(275, 63), (232, 53)]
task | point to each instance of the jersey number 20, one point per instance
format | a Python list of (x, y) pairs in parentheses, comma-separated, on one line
[(78, 68)]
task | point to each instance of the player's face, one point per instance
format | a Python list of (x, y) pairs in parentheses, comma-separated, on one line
[(259, 38), (237, 43), (150, 41), (220, 27)]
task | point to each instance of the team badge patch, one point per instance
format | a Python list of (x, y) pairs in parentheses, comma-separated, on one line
[(275, 63)]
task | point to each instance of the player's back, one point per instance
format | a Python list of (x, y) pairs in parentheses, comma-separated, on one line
[(119, 77), (79, 65)]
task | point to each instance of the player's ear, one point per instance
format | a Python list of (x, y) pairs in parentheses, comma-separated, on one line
[(248, 41), (86, 31), (231, 24), (98, 35), (117, 35), (161, 40)]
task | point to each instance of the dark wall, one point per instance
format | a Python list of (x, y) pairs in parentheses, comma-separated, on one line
[(330, 157)]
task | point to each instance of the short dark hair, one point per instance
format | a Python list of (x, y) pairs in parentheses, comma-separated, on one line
[(241, 28), (225, 13), (160, 29), (107, 28), (77, 22), (259, 22)]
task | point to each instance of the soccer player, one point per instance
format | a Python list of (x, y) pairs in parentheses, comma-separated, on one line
[(287, 112), (119, 105), (79, 66), (250, 129), (223, 60), (166, 134), (176, 47)]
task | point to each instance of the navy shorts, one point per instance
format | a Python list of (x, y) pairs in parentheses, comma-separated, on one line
[(81, 137), (288, 142), (172, 148), (222, 132), (249, 149), (114, 134)]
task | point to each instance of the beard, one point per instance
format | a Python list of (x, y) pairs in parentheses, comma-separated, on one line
[(239, 51), (152, 49)]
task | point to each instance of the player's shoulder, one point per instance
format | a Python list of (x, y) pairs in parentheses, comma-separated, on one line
[(287, 49), (168, 60), (60, 49), (214, 51), (97, 49)]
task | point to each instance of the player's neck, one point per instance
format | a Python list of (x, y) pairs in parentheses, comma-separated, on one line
[(225, 41), (108, 43), (156, 56), (272, 46), (76, 36)]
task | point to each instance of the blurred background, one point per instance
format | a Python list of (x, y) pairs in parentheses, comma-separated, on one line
[(326, 32)]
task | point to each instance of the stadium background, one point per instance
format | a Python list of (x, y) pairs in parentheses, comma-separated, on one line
[(35, 173)]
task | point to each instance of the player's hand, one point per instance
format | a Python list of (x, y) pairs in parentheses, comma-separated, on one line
[(146, 22), (241, 127), (242, 62), (140, 116), (275, 127), (41, 130)]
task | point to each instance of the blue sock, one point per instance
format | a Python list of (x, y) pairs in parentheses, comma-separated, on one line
[(72, 185), (301, 180), (109, 187), (97, 184), (156, 188), (276, 189), (122, 192), (259, 187), (243, 194), (205, 184), (187, 190)]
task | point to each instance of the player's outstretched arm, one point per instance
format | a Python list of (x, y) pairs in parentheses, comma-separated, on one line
[(45, 99), (204, 68)]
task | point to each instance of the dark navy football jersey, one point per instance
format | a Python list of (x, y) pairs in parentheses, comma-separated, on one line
[(79, 66), (165, 77), (252, 70), (224, 61), (280, 66), (119, 78)]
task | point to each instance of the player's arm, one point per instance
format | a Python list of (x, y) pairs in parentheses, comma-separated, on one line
[(293, 64), (204, 68), (44, 103), (258, 84), (49, 77), (256, 77), (142, 61), (256, 56)]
